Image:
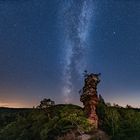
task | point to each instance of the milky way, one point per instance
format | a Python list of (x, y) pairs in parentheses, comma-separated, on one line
[(77, 17)]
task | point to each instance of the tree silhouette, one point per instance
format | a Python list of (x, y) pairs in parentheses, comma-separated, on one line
[(45, 103)]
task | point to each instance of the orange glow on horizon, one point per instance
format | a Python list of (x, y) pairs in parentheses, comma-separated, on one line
[(12, 99), (14, 105)]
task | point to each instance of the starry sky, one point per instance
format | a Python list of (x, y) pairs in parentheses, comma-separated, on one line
[(45, 46)]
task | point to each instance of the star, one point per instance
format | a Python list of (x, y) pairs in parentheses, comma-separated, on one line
[(114, 33)]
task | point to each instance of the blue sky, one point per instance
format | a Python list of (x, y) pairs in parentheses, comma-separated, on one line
[(45, 46)]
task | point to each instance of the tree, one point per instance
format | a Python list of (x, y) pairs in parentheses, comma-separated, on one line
[(45, 103), (101, 99), (112, 121)]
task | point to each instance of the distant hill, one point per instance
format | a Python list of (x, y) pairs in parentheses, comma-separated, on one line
[(7, 109)]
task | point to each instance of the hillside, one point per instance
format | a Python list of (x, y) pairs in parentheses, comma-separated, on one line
[(68, 122), (42, 124)]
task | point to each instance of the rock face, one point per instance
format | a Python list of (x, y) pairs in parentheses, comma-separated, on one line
[(89, 97)]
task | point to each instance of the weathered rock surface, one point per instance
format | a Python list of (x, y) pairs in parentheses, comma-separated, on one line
[(96, 135), (89, 97)]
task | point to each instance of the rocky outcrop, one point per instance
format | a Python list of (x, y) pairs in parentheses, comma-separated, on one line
[(89, 97), (96, 135)]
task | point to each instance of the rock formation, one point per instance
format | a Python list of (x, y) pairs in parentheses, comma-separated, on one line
[(89, 97)]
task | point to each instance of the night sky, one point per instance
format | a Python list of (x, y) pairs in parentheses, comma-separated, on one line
[(45, 46)]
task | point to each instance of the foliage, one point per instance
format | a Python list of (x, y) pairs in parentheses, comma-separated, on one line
[(45, 103), (38, 126), (67, 120), (120, 123)]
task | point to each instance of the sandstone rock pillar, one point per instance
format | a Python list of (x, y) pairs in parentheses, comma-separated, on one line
[(89, 97)]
